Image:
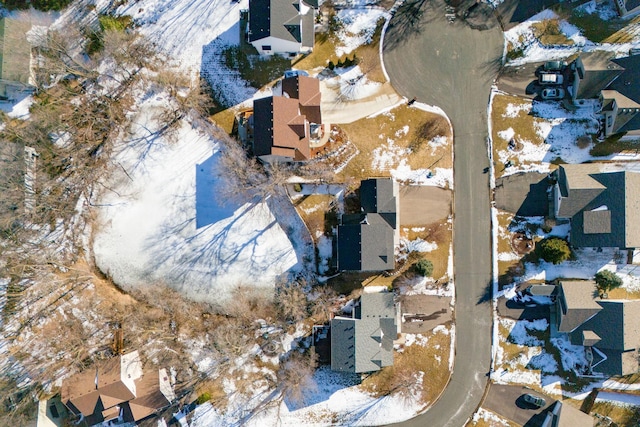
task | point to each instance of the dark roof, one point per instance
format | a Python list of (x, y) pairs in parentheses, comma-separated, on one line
[(283, 19), (599, 72), (631, 4), (15, 50), (366, 241), (604, 207), (364, 343)]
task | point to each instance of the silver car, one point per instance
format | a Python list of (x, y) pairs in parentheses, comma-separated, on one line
[(552, 93)]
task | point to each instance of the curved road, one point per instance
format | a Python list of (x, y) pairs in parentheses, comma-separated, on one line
[(453, 67)]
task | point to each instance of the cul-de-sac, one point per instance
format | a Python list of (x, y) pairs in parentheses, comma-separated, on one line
[(306, 213)]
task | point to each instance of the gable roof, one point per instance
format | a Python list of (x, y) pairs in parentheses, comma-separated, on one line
[(598, 73), (290, 20), (603, 205), (114, 385), (364, 343), (576, 303), (280, 129), (307, 91), (15, 50), (567, 416), (366, 241)]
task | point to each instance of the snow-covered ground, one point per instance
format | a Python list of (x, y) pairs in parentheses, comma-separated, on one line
[(522, 37), (165, 216)]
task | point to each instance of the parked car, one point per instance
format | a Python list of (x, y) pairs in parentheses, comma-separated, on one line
[(552, 93), (550, 79), (536, 401), (554, 65)]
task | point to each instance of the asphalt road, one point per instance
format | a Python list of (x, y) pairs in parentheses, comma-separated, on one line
[(453, 67)]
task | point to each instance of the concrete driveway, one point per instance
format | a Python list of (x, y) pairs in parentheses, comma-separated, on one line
[(421, 205), (523, 194), (422, 313), (507, 401), (453, 66)]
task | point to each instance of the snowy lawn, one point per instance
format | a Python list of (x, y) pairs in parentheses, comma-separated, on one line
[(525, 42), (621, 413), (407, 143), (334, 398), (165, 218), (543, 133), (526, 355), (485, 418)]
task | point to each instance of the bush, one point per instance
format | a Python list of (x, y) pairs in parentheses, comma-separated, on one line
[(607, 280), (203, 398), (297, 187), (424, 267), (554, 250)]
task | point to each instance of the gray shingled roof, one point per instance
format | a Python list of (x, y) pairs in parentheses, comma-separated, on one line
[(567, 416), (618, 330), (577, 305), (604, 207), (281, 19), (366, 241), (364, 343)]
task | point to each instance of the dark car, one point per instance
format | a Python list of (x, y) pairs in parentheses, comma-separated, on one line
[(552, 93), (534, 400), (554, 65)]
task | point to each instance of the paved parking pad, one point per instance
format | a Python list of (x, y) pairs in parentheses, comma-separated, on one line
[(421, 313), (507, 401), (421, 205), (523, 194)]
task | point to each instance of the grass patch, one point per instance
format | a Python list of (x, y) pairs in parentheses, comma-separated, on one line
[(432, 359), (369, 134), (595, 28), (613, 145), (256, 70), (224, 119), (621, 415), (621, 293), (548, 32), (312, 209)]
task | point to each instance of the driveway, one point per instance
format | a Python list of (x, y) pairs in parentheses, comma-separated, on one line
[(453, 66), (523, 194), (421, 313), (506, 401), (421, 205)]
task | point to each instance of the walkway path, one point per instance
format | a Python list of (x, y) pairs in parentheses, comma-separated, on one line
[(453, 67)]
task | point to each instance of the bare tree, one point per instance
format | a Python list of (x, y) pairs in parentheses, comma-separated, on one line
[(295, 376)]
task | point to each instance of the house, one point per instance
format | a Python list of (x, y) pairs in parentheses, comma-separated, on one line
[(602, 204), (608, 329), (627, 7), (117, 389), (567, 416), (613, 82), (282, 26), (367, 240), (284, 127), (364, 342), (51, 412), (15, 57)]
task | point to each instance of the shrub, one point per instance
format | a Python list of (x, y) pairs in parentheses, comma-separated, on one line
[(607, 280), (203, 398), (297, 187), (424, 267), (554, 250)]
